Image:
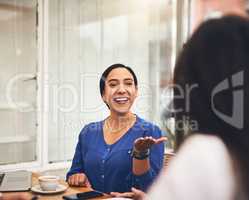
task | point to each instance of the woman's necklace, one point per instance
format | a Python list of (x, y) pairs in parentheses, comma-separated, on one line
[(120, 126)]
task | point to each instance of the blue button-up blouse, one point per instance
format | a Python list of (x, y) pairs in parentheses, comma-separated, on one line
[(109, 167)]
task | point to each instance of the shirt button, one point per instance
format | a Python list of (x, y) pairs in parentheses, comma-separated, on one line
[(108, 149), (102, 176), (103, 161)]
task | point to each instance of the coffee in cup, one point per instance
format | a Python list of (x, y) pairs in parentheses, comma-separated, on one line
[(48, 183)]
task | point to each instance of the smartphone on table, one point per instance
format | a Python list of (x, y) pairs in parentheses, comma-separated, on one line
[(84, 195)]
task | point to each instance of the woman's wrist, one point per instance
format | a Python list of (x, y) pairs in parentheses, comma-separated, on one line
[(140, 155)]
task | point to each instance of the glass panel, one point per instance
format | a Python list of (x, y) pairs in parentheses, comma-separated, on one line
[(87, 36), (18, 51)]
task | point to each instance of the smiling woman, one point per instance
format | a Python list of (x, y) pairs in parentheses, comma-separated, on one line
[(118, 88), (122, 151)]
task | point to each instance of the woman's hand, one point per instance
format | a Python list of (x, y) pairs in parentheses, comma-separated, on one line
[(138, 194), (79, 179), (144, 143), (134, 194)]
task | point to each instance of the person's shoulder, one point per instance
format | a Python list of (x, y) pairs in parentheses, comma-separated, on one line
[(205, 143), (200, 139), (202, 162), (91, 128), (94, 125), (204, 152)]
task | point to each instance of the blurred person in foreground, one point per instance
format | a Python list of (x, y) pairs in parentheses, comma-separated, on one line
[(212, 79)]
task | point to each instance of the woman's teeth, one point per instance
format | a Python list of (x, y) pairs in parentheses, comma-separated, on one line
[(121, 99)]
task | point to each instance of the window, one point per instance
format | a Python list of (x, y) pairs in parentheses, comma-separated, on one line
[(75, 42), (18, 85)]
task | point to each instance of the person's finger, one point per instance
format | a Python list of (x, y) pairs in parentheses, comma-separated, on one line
[(162, 139), (143, 144), (114, 194), (87, 183), (77, 180), (81, 179), (74, 180), (153, 141), (70, 180), (138, 143), (150, 142), (138, 194), (142, 139), (125, 194), (137, 191)]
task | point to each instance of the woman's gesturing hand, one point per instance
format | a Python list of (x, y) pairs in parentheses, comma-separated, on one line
[(144, 143), (79, 179)]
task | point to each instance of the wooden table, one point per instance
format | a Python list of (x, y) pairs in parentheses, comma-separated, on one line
[(70, 190)]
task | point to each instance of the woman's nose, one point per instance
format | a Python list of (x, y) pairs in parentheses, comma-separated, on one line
[(121, 89)]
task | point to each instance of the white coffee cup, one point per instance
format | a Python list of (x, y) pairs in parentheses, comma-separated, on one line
[(48, 183)]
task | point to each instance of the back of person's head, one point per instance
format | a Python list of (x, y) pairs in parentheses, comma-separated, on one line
[(212, 72)]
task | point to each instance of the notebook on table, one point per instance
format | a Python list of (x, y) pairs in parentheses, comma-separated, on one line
[(15, 181)]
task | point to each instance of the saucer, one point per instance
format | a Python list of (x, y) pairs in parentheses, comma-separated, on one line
[(60, 188)]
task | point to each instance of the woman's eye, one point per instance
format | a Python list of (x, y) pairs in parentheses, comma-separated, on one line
[(129, 83), (112, 84)]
